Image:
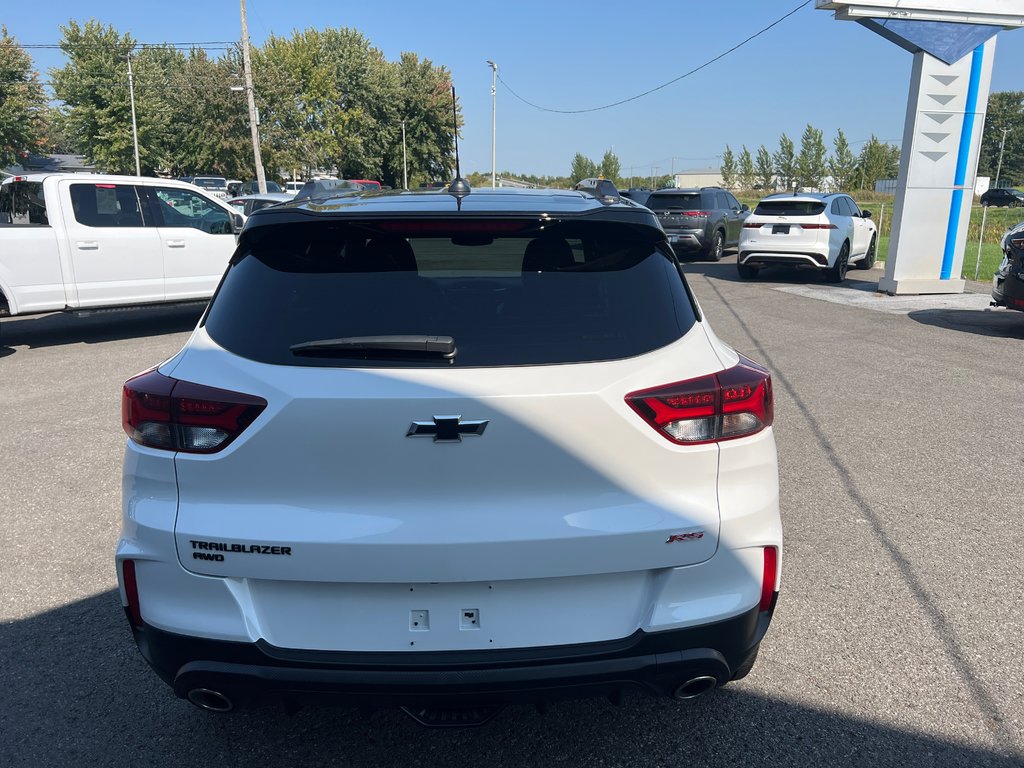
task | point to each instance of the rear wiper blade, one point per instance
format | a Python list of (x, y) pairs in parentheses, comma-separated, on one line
[(380, 347)]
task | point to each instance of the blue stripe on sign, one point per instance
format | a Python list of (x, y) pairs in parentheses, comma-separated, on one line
[(966, 134)]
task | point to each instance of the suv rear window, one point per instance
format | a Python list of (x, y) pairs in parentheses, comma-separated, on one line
[(789, 208), (22, 203), (506, 292), (681, 202)]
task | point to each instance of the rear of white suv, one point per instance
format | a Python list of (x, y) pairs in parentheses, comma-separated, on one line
[(435, 457)]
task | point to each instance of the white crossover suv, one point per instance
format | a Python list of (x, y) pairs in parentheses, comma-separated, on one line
[(447, 454), (829, 233)]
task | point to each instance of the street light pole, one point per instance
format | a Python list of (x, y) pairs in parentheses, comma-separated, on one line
[(261, 178), (494, 123), (999, 167), (405, 161), (135, 130)]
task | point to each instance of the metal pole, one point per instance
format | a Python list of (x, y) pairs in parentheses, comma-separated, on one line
[(261, 178), (135, 130), (999, 167), (405, 161), (981, 238), (494, 123)]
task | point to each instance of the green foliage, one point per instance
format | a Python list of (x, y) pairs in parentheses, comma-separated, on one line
[(745, 177), (842, 166), (728, 168), (611, 168), (877, 160), (785, 162), (764, 170), (22, 102), (811, 163), (582, 168), (1005, 111)]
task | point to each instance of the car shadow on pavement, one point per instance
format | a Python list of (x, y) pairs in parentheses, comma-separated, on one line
[(91, 327), (77, 692), (1001, 323), (865, 280)]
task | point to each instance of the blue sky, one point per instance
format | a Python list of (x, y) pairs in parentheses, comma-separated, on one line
[(572, 55)]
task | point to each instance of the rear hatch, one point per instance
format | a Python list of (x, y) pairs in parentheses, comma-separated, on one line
[(787, 222), (382, 461), (678, 210)]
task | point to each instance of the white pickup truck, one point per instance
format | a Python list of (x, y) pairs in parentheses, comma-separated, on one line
[(75, 241)]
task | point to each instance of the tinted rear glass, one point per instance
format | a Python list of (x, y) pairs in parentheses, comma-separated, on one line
[(684, 202), (574, 293), (210, 182), (789, 208), (22, 204)]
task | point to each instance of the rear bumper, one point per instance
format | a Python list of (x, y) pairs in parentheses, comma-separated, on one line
[(252, 673), (759, 257), (686, 240)]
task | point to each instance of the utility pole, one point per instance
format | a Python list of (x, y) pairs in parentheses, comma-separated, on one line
[(405, 161), (999, 167), (494, 123), (261, 177), (135, 130)]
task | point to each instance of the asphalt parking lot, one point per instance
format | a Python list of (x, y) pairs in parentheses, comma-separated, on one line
[(897, 640)]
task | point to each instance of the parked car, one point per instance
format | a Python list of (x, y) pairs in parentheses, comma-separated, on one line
[(442, 457), (599, 187), (246, 204), (705, 221), (1012, 198), (217, 186), (639, 194), (319, 187), (75, 241), (826, 232), (234, 187), (1008, 282), (253, 188), (368, 184), (293, 187)]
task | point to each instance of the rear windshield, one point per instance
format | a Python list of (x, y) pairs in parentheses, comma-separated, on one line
[(210, 183), (789, 208), (573, 293), (683, 202), (22, 204)]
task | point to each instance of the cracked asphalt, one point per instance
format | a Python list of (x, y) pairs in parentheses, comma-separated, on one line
[(897, 640)]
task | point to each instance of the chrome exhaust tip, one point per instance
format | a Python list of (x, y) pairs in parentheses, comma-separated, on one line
[(695, 687), (211, 701)]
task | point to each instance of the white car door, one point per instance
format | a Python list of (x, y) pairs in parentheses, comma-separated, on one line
[(862, 229), (115, 257), (843, 231), (197, 239)]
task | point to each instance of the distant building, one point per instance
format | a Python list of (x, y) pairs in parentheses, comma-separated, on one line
[(51, 164), (704, 177)]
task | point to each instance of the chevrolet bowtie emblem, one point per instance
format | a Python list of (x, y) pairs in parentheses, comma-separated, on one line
[(446, 429)]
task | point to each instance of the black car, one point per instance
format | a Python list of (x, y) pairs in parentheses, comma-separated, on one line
[(1010, 198), (1008, 283), (705, 221)]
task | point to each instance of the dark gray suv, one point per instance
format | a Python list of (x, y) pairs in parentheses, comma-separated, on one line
[(704, 221)]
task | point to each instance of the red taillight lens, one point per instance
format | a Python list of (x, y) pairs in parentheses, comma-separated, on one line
[(733, 403), (695, 213), (752, 225), (131, 591), (819, 226), (160, 412), (771, 574)]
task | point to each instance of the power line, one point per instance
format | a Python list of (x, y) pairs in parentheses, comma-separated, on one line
[(663, 85), (209, 44)]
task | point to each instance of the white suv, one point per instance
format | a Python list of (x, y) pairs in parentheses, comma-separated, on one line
[(443, 457), (824, 232)]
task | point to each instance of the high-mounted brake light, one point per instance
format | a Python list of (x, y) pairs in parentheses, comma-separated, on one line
[(160, 412), (723, 406)]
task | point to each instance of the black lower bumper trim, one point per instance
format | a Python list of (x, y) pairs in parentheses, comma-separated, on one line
[(251, 673)]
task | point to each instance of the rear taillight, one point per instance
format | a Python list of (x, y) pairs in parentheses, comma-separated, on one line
[(770, 577), (752, 225), (160, 412), (131, 592), (695, 213), (1017, 242), (723, 406), (819, 226)]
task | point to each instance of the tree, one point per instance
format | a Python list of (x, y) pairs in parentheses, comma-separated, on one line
[(1005, 111), (611, 168), (746, 170), (22, 102), (812, 161), (843, 164), (94, 88), (785, 162), (764, 170), (582, 168), (728, 168), (877, 160)]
